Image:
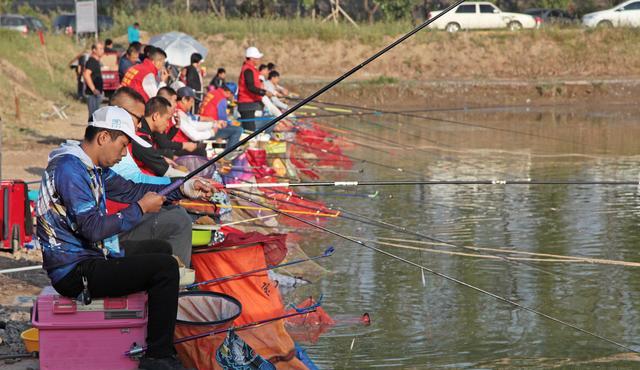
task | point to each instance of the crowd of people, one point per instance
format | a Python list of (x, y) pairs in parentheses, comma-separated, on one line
[(105, 223)]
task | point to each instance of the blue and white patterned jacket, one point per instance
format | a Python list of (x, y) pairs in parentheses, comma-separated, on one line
[(73, 224)]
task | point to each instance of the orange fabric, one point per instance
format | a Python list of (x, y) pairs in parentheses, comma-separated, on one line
[(270, 341), (260, 300), (259, 296)]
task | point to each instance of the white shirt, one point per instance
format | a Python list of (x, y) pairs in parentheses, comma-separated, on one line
[(151, 86), (195, 130)]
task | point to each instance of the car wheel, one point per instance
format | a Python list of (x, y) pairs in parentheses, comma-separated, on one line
[(514, 26), (605, 24), (452, 27)]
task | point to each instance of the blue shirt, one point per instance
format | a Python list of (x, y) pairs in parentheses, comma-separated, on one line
[(133, 34)]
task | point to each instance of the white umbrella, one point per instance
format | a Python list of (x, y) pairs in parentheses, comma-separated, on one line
[(179, 47)]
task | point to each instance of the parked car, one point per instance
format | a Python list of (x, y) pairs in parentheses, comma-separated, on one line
[(480, 15), (555, 17), (67, 23), (626, 14), (21, 23)]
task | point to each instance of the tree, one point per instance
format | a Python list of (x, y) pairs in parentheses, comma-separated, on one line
[(371, 10)]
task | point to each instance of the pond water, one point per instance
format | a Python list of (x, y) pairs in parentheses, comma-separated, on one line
[(434, 323)]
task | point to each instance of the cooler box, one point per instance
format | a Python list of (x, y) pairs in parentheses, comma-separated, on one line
[(74, 336)]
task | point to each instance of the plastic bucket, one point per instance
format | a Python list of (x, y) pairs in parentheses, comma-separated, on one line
[(30, 338)]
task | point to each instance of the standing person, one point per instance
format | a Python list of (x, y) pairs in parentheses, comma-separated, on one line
[(77, 64), (129, 59), (214, 106), (250, 89), (218, 80), (142, 77), (81, 251), (92, 75), (108, 46), (133, 33), (194, 78)]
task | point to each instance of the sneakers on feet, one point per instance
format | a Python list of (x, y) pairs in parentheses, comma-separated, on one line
[(164, 363)]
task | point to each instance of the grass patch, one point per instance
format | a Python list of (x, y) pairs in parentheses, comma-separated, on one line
[(380, 80), (157, 19), (27, 55)]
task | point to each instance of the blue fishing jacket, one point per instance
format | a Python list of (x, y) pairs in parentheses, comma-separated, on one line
[(73, 224)]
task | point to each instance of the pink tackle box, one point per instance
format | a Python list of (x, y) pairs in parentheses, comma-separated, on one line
[(74, 336)]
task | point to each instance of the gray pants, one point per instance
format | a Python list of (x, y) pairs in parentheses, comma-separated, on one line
[(93, 103), (171, 224)]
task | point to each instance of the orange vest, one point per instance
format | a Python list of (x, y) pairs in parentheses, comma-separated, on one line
[(244, 95), (209, 106), (136, 74)]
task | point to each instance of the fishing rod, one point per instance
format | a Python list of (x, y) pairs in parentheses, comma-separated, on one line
[(460, 123), (348, 215), (339, 184), (327, 253), (138, 350), (176, 184), (447, 277), (368, 196)]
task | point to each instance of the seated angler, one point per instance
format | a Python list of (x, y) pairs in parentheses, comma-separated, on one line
[(214, 106), (152, 160), (173, 138), (196, 128), (80, 246), (172, 223)]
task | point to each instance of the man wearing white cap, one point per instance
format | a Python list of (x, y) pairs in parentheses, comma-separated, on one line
[(250, 89), (79, 238)]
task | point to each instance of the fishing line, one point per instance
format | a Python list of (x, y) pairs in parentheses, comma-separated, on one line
[(339, 184), (447, 277), (176, 184), (381, 224), (468, 124)]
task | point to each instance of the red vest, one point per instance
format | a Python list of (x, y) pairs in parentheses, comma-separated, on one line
[(180, 136), (209, 106), (141, 164), (136, 74), (244, 95)]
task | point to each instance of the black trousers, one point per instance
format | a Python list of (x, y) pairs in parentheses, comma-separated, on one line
[(247, 112), (148, 267)]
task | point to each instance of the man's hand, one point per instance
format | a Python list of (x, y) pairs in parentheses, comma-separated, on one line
[(190, 146), (221, 124), (269, 94), (176, 119), (164, 75), (151, 202), (170, 162), (200, 188)]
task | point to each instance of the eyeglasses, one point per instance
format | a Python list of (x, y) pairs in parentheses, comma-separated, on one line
[(138, 118)]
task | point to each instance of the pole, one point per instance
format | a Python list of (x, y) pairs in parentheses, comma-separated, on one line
[(308, 99)]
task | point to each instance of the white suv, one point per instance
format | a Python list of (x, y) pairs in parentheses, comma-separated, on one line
[(626, 14), (480, 15)]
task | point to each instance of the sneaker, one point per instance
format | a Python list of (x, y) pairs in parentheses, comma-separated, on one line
[(164, 363)]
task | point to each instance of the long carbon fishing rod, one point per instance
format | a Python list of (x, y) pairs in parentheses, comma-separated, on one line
[(447, 277), (348, 215), (467, 124), (426, 182), (138, 350), (175, 185), (327, 253)]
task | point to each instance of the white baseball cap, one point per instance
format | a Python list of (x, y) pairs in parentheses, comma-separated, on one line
[(116, 118), (253, 52)]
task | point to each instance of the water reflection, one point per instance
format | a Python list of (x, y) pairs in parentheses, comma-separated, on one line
[(445, 325)]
